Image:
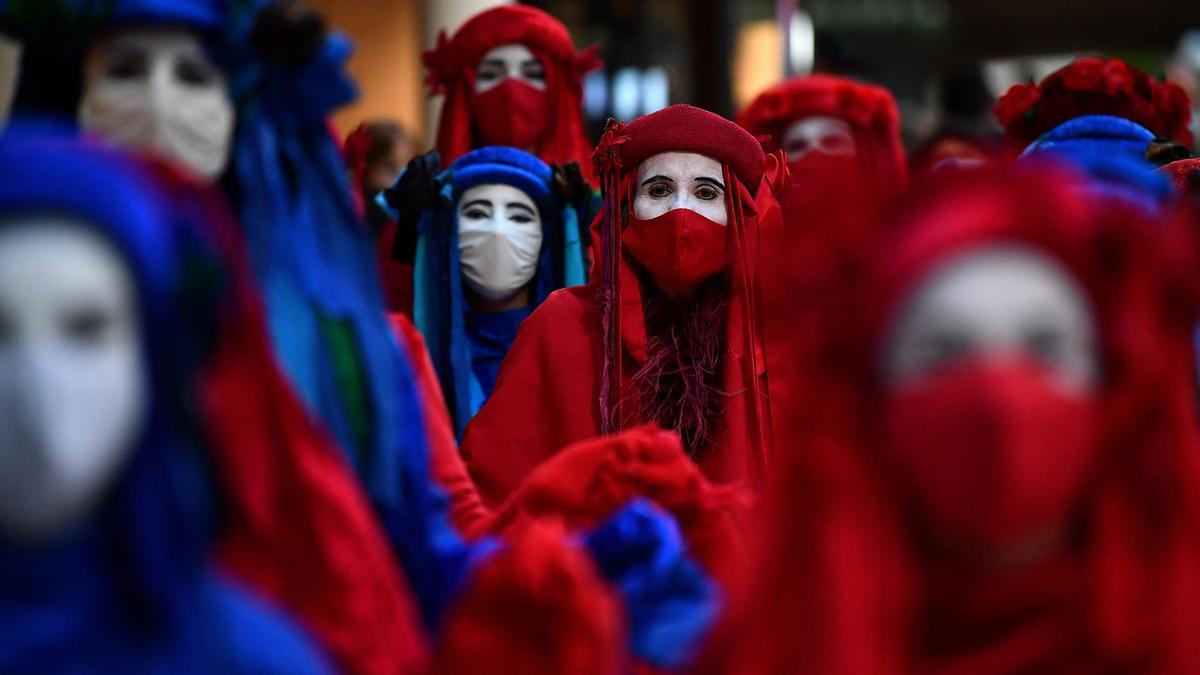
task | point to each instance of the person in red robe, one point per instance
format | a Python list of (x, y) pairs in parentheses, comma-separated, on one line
[(511, 76), (845, 160), (1004, 474), (668, 331)]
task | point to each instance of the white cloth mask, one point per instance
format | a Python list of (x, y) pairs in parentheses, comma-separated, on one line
[(499, 240), (154, 89), (826, 135), (680, 180), (73, 380), (997, 303), (509, 61)]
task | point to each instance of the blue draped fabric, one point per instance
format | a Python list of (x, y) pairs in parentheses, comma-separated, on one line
[(128, 589), (490, 336), (1110, 151)]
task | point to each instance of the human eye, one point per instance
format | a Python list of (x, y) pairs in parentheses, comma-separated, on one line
[(707, 193), (126, 65), (1046, 343), (475, 213), (195, 71), (489, 71), (533, 70), (87, 325), (659, 190)]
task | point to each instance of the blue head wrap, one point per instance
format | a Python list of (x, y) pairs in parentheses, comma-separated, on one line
[(128, 590), (439, 306), (1110, 151)]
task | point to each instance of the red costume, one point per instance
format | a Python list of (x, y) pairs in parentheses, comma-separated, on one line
[(849, 581), (829, 199), (568, 376), (1093, 85), (550, 121)]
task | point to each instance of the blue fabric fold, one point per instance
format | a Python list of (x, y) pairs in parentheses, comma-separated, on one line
[(671, 604)]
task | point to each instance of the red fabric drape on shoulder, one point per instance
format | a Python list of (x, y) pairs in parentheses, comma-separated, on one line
[(451, 72), (842, 586), (568, 371)]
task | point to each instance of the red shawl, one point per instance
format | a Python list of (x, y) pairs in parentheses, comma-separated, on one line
[(843, 587), (452, 63)]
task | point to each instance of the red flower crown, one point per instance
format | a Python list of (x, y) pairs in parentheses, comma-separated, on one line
[(1093, 85)]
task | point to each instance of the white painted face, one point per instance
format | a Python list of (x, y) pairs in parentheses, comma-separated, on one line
[(73, 379), (155, 89), (826, 135), (999, 303), (509, 61), (680, 180), (499, 239)]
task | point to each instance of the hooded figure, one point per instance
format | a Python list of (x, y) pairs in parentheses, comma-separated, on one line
[(497, 242), (106, 523), (845, 160), (831, 129), (1002, 474), (511, 76), (667, 332)]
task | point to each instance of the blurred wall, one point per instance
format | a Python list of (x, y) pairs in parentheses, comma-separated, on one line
[(387, 59), (389, 36)]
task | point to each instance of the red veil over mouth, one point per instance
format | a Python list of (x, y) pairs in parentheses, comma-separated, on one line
[(451, 69), (843, 584)]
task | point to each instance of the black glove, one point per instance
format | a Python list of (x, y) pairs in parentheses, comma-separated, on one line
[(414, 192)]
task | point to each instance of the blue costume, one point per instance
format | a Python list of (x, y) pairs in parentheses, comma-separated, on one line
[(129, 589), (467, 346)]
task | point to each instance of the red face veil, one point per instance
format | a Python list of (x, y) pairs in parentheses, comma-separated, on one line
[(1118, 594), (548, 121)]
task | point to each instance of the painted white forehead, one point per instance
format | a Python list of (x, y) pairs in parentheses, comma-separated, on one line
[(679, 165), (509, 53), (815, 126)]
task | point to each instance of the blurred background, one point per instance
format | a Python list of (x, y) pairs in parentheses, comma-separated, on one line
[(946, 60)]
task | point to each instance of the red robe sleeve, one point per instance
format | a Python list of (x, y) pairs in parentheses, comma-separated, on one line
[(446, 467), (545, 396)]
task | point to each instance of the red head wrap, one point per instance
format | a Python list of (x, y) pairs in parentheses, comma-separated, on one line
[(751, 180), (1093, 85), (869, 110), (844, 586), (451, 71)]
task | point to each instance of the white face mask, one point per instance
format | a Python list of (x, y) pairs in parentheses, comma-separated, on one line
[(680, 180), (73, 382), (154, 89), (827, 135), (510, 60), (999, 302), (499, 239)]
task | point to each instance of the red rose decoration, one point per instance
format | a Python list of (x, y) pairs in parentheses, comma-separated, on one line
[(1016, 103)]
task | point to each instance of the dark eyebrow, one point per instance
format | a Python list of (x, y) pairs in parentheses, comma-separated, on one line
[(475, 202), (658, 177), (519, 205), (711, 181)]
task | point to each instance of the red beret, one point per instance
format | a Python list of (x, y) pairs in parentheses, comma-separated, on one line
[(685, 128)]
